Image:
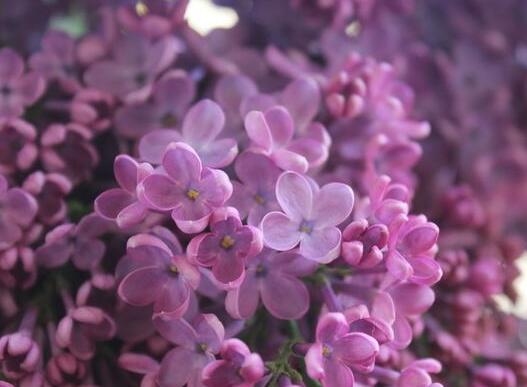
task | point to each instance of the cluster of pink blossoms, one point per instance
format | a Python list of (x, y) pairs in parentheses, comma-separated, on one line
[(242, 208)]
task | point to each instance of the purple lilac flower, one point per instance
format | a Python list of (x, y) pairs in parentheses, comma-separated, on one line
[(19, 355), (93, 109), (57, 60), (227, 247), (238, 367), (417, 373), (310, 217), (166, 272), (272, 134), (17, 211), (412, 245), (188, 190), (255, 195), (18, 267), (49, 189), (80, 243), (122, 204), (134, 67), (171, 96), (67, 149), (201, 126), (17, 90), (337, 352), (17, 145), (81, 328), (273, 277), (197, 343)]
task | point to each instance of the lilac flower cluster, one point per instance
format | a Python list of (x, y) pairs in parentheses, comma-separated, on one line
[(262, 223)]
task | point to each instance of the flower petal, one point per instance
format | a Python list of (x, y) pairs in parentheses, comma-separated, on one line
[(280, 124), (257, 130), (152, 145), (182, 163), (242, 301), (295, 196), (332, 205), (322, 246), (357, 350), (284, 296), (203, 122), (161, 192), (132, 287), (279, 232)]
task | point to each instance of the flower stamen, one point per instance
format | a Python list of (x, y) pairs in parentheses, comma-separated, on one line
[(227, 242)]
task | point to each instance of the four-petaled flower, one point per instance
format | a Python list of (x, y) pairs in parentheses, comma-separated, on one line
[(151, 264), (272, 277), (197, 343), (188, 190), (310, 217), (337, 352), (227, 247)]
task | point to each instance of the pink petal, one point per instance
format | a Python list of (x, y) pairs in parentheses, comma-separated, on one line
[(302, 99), (280, 125), (210, 331), (337, 375), (315, 362), (162, 192), (257, 130), (242, 302), (290, 161), (203, 122), (322, 246), (132, 287), (173, 300), (294, 195), (110, 203), (178, 332), (402, 333), (279, 232), (125, 170), (176, 368), (152, 145), (220, 153), (332, 205), (131, 215), (182, 163), (285, 296), (412, 299), (357, 350), (88, 253), (420, 239), (140, 364), (331, 326)]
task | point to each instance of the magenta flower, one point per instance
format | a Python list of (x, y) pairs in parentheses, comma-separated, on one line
[(122, 204), (336, 352), (255, 195), (81, 328), (136, 64), (17, 90), (57, 61), (272, 134), (273, 277), (171, 96), (17, 145), (227, 247), (18, 267), (50, 190), (80, 243), (363, 244), (310, 217), (166, 272), (197, 343), (237, 368), (19, 355), (17, 212), (154, 18), (202, 125), (93, 109), (411, 248), (67, 149), (188, 190), (494, 375)]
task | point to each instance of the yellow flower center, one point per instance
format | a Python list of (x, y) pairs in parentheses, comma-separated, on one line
[(173, 269), (192, 194), (326, 351), (227, 242), (306, 229)]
